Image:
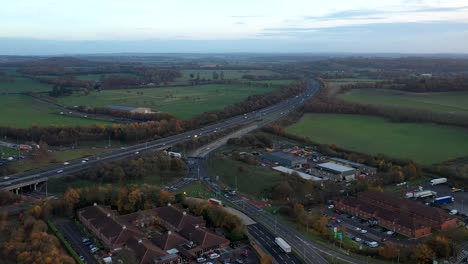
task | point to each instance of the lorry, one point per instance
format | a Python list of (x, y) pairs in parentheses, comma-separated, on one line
[(444, 200), (438, 181), (282, 244), (420, 194), (215, 202)]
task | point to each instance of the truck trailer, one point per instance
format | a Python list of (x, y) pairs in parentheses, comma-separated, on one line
[(420, 194), (438, 181), (283, 245), (444, 200)]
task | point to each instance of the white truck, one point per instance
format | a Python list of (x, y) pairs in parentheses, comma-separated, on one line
[(438, 181), (420, 194), (283, 245)]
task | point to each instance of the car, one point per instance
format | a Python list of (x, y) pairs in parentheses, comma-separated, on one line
[(85, 239), (363, 231), (201, 260), (453, 212), (59, 171), (390, 232), (383, 239), (81, 258), (372, 244), (332, 218), (213, 255), (240, 261), (94, 250), (66, 163), (338, 221), (358, 229), (91, 245), (87, 243), (137, 152), (83, 161), (454, 190), (329, 225), (331, 206), (357, 239)]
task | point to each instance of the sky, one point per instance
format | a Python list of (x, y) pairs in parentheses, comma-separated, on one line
[(44, 27)]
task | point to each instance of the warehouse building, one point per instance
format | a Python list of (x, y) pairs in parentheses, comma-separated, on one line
[(362, 168), (283, 159), (336, 172), (397, 214), (131, 109)]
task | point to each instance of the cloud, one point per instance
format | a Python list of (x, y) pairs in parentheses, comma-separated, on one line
[(240, 23)]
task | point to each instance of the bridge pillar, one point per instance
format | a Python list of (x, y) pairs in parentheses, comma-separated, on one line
[(35, 186), (17, 190)]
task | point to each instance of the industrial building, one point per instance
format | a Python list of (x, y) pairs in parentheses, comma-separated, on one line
[(336, 172), (361, 168), (131, 109), (283, 159), (303, 175), (400, 215)]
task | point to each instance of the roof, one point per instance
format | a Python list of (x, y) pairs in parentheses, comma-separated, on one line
[(121, 107), (168, 241), (335, 167), (202, 237), (352, 163), (301, 174), (178, 217)]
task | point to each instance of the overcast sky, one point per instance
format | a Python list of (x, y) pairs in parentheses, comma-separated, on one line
[(100, 26)]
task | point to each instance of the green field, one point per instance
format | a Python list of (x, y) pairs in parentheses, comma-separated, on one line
[(424, 143), (252, 180), (23, 85), (277, 82), (184, 102), (455, 103), (24, 111)]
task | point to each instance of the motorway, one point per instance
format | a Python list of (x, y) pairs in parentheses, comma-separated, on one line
[(15, 181), (267, 239)]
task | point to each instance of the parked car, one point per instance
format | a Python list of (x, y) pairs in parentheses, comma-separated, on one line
[(201, 260), (85, 239), (213, 255), (332, 218), (453, 212), (331, 206), (240, 261), (245, 253), (363, 231), (357, 239), (358, 229), (383, 239), (390, 232), (338, 221)]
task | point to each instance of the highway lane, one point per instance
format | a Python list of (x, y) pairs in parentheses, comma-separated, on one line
[(267, 239), (14, 181)]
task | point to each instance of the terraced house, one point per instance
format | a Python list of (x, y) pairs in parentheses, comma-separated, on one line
[(397, 214), (165, 235)]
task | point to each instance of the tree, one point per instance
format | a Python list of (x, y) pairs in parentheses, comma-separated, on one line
[(389, 251), (298, 210), (423, 254), (215, 75), (71, 197), (221, 75), (265, 259), (440, 245)]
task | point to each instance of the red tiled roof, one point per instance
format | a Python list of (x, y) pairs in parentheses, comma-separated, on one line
[(169, 241)]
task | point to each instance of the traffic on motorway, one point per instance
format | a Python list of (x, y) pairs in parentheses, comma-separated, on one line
[(15, 181)]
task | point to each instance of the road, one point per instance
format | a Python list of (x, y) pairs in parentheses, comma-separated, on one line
[(267, 239), (278, 110), (74, 236)]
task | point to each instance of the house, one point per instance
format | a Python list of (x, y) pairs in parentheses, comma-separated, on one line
[(397, 214), (185, 238), (131, 109), (336, 172)]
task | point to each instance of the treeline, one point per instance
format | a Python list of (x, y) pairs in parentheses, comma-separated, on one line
[(68, 81), (27, 240), (141, 167), (217, 216), (415, 84)]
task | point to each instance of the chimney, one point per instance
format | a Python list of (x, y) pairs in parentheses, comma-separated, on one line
[(124, 227), (184, 213), (94, 204), (169, 232)]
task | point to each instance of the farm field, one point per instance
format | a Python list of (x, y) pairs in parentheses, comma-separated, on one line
[(277, 82), (183, 102), (424, 143), (252, 180), (455, 103), (92, 77), (23, 85), (23, 111)]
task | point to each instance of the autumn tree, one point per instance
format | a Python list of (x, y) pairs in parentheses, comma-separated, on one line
[(388, 251), (71, 198), (440, 245), (423, 254)]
